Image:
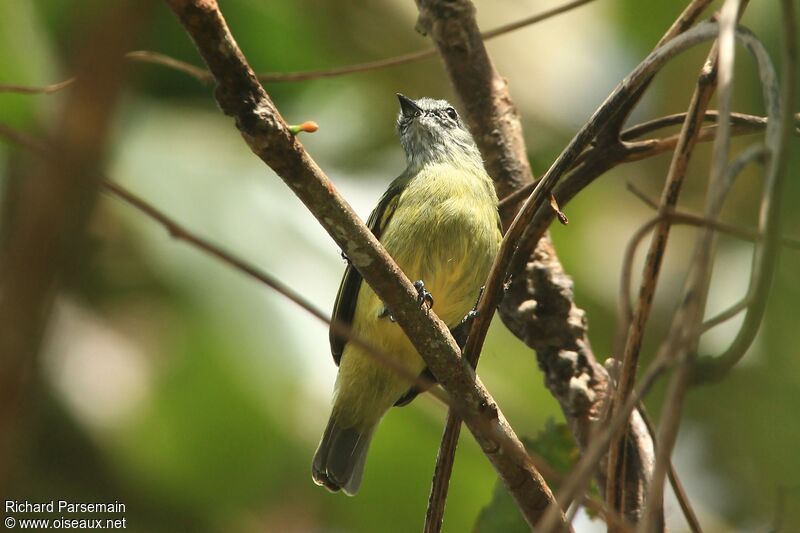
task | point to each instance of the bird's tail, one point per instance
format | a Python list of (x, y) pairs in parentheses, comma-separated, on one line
[(339, 461)]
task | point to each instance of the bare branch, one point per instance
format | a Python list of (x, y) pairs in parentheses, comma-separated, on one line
[(741, 232), (155, 58), (684, 333), (455, 57), (635, 327), (495, 124), (751, 122), (27, 89), (440, 482), (690, 14), (241, 96), (677, 486), (271, 77)]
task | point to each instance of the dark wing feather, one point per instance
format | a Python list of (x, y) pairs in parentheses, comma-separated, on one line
[(346, 298)]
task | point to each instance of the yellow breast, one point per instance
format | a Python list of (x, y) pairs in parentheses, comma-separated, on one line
[(444, 231)]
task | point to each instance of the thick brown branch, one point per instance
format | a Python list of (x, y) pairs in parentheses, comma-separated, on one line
[(241, 96), (495, 125), (453, 28), (490, 113)]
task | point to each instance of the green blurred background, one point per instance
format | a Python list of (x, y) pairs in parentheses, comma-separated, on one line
[(197, 397)]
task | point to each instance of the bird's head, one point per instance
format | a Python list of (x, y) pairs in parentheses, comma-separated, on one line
[(431, 131)]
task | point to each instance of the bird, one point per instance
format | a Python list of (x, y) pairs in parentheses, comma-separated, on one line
[(440, 223)]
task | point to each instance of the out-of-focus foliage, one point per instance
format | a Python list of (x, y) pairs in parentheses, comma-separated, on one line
[(555, 445), (197, 397)]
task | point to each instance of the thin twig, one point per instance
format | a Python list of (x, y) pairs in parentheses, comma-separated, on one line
[(741, 124), (685, 20), (155, 58), (727, 314), (271, 77), (635, 327), (689, 219), (27, 89), (741, 232), (765, 255), (440, 481), (204, 76), (181, 233), (683, 500), (677, 486), (639, 150), (754, 122), (494, 122)]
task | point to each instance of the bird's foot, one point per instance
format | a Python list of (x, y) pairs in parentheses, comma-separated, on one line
[(473, 313), (461, 331), (424, 298)]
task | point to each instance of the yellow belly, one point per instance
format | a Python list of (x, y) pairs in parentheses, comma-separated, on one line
[(444, 232)]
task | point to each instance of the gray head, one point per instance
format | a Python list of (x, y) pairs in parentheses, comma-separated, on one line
[(431, 132)]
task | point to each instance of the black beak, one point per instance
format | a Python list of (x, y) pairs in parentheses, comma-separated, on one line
[(408, 106)]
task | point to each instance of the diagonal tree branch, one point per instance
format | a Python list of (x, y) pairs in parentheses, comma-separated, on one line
[(494, 124), (241, 96)]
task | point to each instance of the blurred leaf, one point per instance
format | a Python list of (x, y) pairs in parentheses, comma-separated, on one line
[(556, 446), (501, 515), (25, 59)]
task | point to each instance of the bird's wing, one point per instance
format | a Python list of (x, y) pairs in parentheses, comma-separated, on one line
[(345, 306)]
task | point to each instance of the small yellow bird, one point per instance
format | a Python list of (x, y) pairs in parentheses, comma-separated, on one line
[(439, 222)]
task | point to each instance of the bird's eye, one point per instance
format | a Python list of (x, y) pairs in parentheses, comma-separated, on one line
[(451, 113)]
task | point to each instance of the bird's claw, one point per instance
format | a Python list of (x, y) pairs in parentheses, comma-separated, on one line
[(424, 298), (473, 314)]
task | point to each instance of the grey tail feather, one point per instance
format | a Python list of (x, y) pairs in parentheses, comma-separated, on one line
[(339, 461)]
